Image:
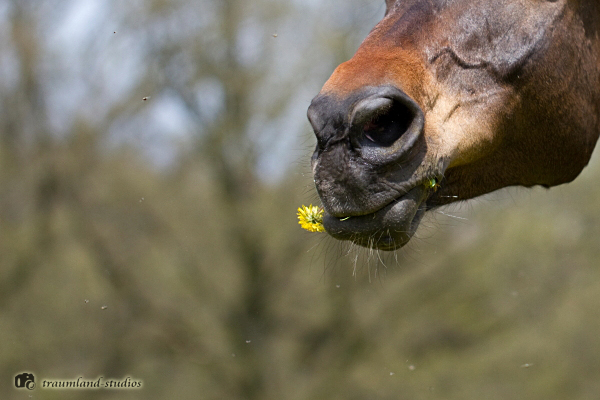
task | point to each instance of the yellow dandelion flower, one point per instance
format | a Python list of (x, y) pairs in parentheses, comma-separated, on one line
[(311, 218)]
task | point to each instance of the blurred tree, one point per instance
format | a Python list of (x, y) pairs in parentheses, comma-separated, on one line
[(119, 229)]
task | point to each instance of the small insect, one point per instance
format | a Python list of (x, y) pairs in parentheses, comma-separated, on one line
[(103, 307), (311, 218), (433, 184), (274, 35), (146, 98)]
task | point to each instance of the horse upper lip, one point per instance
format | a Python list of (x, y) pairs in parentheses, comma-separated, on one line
[(401, 194), (393, 223)]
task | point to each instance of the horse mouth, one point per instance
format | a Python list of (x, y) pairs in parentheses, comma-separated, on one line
[(388, 228)]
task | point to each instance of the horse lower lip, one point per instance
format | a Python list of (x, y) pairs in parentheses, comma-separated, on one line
[(388, 228)]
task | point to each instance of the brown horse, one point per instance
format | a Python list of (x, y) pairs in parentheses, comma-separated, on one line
[(446, 100)]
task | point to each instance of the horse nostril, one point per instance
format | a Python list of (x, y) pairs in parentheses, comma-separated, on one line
[(379, 124), (387, 125), (381, 121)]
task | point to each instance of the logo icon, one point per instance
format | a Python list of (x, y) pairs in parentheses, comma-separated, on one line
[(25, 380)]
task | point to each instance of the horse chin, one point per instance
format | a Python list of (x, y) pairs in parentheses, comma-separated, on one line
[(389, 228)]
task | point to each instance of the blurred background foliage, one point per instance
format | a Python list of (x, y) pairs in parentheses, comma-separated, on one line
[(152, 157)]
